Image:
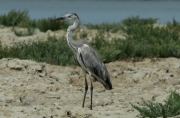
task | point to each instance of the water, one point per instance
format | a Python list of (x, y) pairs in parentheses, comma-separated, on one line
[(96, 11)]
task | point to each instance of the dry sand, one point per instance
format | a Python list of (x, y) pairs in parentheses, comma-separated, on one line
[(30, 89)]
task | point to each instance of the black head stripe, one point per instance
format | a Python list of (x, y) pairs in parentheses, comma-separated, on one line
[(76, 15)]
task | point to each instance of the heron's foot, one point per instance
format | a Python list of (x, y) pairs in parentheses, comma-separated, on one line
[(90, 107)]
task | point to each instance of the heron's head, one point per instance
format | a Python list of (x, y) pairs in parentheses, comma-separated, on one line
[(70, 16)]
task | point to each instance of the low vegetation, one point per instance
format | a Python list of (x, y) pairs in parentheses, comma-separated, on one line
[(108, 27), (170, 107), (14, 18), (144, 38), (115, 27), (21, 19), (53, 51)]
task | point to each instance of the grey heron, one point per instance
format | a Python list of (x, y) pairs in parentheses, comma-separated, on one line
[(86, 57)]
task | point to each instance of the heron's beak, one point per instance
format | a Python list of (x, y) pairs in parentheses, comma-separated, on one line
[(60, 18)]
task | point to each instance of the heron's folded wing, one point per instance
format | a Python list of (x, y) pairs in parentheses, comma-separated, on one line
[(93, 62)]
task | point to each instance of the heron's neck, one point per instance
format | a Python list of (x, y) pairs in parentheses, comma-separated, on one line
[(74, 26), (69, 35), (71, 28)]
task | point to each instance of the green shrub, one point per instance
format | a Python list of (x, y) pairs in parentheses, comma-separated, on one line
[(174, 25), (115, 27), (151, 34), (109, 50), (170, 108), (28, 23), (108, 27), (141, 41), (53, 51), (46, 24), (150, 41), (136, 20), (13, 18)]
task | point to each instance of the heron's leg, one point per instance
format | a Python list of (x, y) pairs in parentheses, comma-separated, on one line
[(91, 93), (86, 89)]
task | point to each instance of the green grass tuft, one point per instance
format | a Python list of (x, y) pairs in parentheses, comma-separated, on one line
[(108, 27), (13, 18), (46, 24), (170, 108), (109, 50), (136, 20), (53, 51), (174, 25)]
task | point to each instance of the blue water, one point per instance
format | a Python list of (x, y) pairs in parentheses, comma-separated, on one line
[(96, 11)]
